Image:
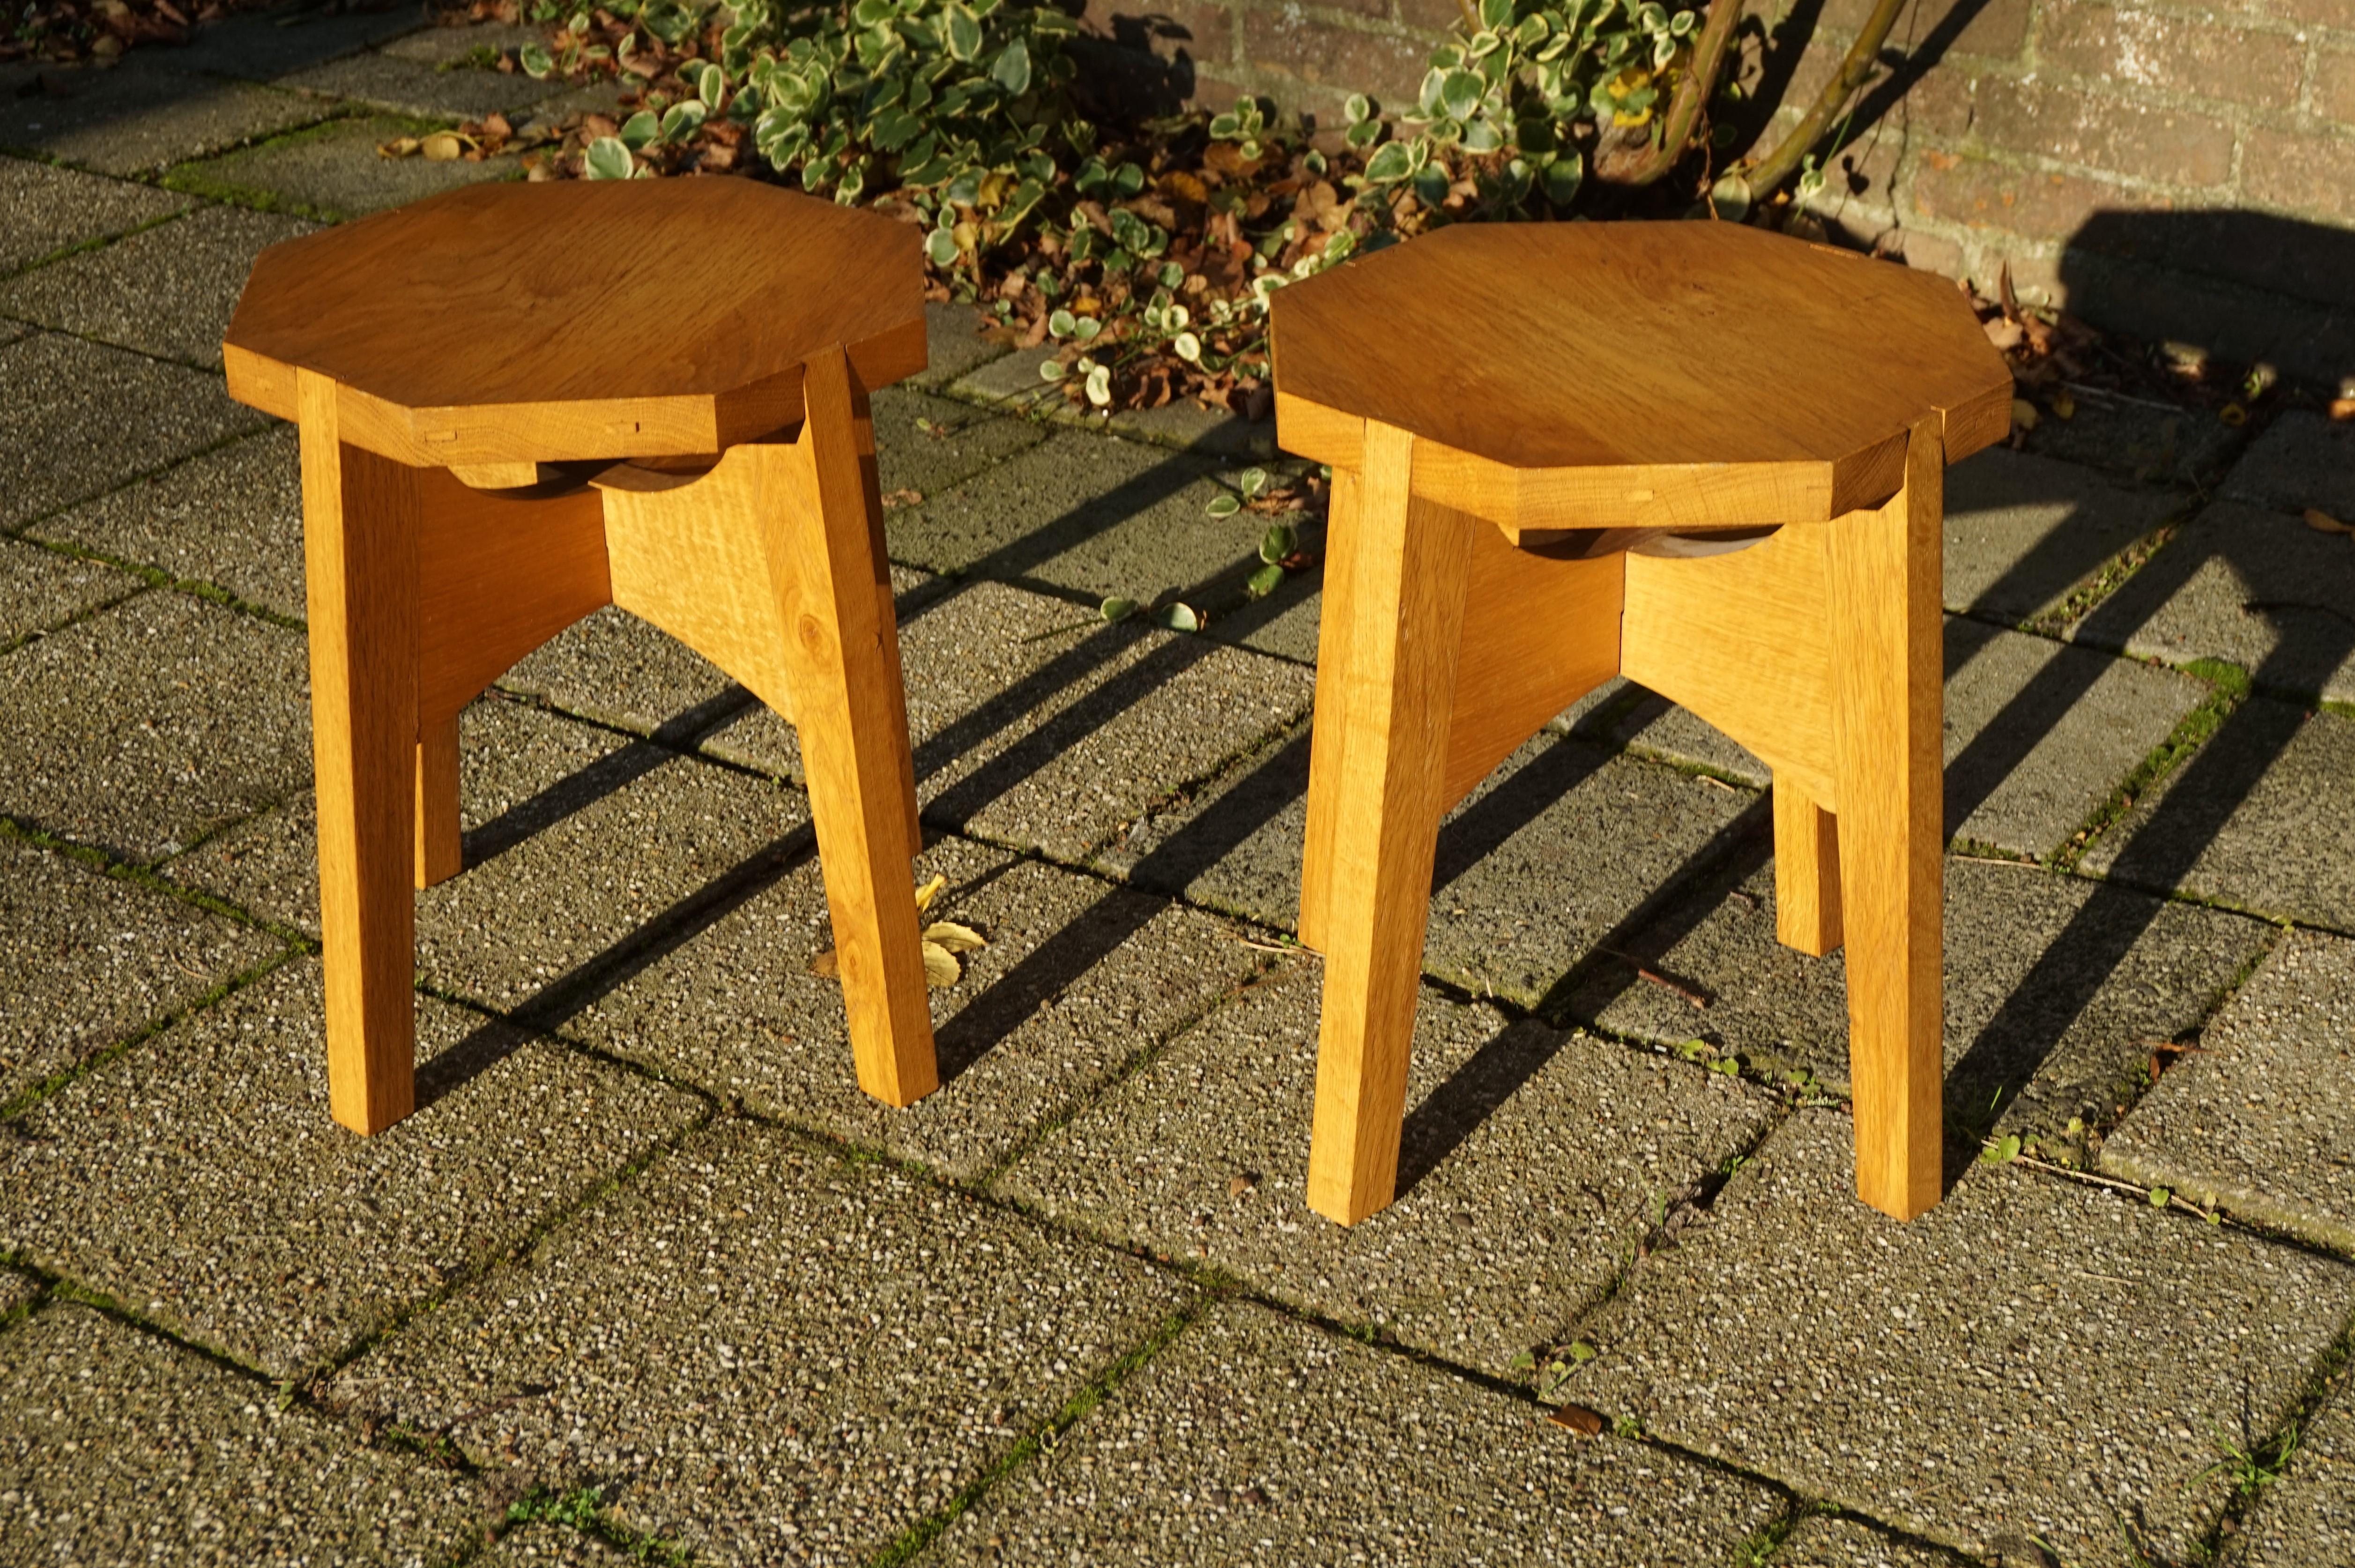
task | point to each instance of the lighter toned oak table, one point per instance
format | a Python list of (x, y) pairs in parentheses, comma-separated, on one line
[(1696, 454), (518, 404)]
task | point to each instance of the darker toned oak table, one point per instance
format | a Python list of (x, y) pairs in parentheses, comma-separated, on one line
[(519, 403), (1699, 456)]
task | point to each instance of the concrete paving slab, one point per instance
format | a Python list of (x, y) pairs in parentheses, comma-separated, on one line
[(1821, 1543), (925, 444), (82, 419), (2302, 460), (1553, 854), (578, 840), (446, 43), (2023, 532), (332, 172), (176, 1459), (2247, 1124), (1089, 515), (550, 1545), (617, 669), (88, 960), (1033, 722), (2307, 1517), (142, 116), (42, 589), (841, 1348), (1256, 1438), (232, 519), (952, 337), (45, 209), (200, 1180), (2139, 440), (1009, 381), (518, 773), (1532, 1163), (1078, 978), (1189, 427), (2055, 988), (2252, 818), (167, 290), (2038, 734), (1037, 726), (2033, 1356), (260, 45), (150, 724), (2260, 588), (402, 86)]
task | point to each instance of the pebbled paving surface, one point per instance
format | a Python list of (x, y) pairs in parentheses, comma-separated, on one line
[(647, 1275)]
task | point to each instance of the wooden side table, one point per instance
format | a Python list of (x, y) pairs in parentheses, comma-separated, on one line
[(521, 402), (1700, 455)]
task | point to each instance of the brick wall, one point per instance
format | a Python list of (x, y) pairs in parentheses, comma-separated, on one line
[(2183, 169)]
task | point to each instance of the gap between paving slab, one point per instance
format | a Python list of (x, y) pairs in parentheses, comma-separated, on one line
[(2024, 532), (2255, 1120), (2033, 1356), (2260, 588), (167, 290), (83, 419), (116, 1446), (2256, 818), (1532, 1163), (1556, 852), (199, 1180), (1033, 723), (47, 211), (842, 1348), (148, 725), (331, 172), (2305, 1518), (44, 591), (1256, 1438), (231, 519), (87, 961), (2055, 987), (142, 115)]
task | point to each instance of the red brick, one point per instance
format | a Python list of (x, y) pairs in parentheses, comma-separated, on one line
[(1344, 59), (1998, 27), (2334, 84), (1941, 104), (1929, 253), (1433, 16), (1989, 196), (2304, 174), (2120, 45), (1202, 32), (2173, 147)]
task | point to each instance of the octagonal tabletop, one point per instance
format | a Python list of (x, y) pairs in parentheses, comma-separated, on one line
[(578, 319), (1581, 375)]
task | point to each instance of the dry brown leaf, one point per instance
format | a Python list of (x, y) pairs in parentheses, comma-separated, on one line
[(894, 499), (2323, 522), (398, 147), (941, 967), (1578, 1419), (826, 965), (956, 938), (2342, 408)]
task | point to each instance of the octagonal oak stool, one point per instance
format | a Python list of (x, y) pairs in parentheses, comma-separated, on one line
[(1699, 456), (518, 404)]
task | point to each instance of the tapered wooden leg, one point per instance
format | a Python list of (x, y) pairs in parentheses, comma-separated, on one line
[(1402, 604), (1807, 871), (359, 545), (1886, 715), (438, 853), (1327, 734), (842, 664)]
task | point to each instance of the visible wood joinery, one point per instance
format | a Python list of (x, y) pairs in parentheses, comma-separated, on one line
[(1516, 525), (445, 537)]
